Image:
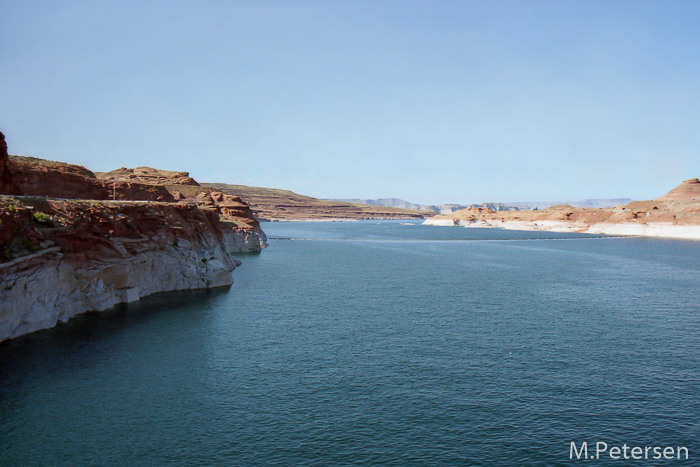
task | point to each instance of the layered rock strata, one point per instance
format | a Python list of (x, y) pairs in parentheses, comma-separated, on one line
[(273, 204), (62, 258), (149, 176), (242, 232), (266, 203), (39, 177), (689, 189)]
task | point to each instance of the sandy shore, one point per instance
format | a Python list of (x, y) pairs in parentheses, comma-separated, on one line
[(662, 230), (329, 219)]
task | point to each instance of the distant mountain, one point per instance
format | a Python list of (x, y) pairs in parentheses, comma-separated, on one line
[(584, 203), (387, 202), (524, 206), (440, 209)]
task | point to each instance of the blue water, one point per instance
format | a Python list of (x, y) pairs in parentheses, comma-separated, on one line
[(370, 343)]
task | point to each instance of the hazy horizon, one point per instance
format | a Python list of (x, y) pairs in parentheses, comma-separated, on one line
[(431, 102), (510, 202)]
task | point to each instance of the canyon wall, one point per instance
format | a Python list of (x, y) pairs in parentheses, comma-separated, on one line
[(238, 240), (39, 177), (65, 249), (63, 258), (242, 232), (7, 182)]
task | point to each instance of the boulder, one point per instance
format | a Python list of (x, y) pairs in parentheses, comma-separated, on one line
[(218, 275)]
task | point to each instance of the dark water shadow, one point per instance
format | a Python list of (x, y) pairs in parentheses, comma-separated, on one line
[(87, 335)]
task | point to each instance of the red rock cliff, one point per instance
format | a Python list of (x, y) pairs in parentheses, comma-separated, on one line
[(7, 183), (38, 177), (60, 258)]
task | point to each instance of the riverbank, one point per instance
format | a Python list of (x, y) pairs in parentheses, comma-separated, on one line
[(661, 230)]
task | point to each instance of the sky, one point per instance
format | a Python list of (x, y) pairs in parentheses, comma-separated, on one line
[(432, 101)]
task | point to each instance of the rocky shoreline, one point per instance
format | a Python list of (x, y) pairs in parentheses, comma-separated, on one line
[(71, 242), (674, 215), (625, 230), (63, 258)]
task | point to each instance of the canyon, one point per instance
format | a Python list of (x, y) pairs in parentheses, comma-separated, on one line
[(71, 242), (267, 204)]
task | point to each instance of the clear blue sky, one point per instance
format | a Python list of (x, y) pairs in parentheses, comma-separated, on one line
[(430, 101)]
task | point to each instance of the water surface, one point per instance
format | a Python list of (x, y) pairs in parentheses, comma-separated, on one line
[(368, 343)]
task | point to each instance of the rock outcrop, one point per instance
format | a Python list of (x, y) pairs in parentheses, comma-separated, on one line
[(39, 177), (62, 258), (689, 189), (243, 240), (7, 183), (242, 232), (149, 176), (62, 255)]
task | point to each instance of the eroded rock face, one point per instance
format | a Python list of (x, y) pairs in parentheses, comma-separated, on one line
[(218, 274), (62, 258), (7, 184), (243, 240), (233, 207), (149, 176), (242, 232), (39, 177)]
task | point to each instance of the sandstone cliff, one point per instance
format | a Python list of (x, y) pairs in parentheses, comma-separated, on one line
[(274, 204), (149, 176), (62, 258), (39, 177), (266, 203), (242, 232), (7, 183)]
